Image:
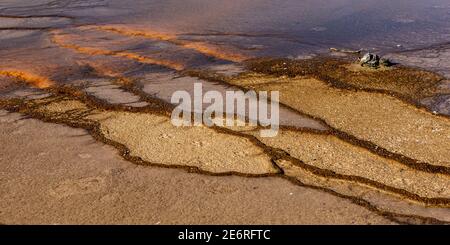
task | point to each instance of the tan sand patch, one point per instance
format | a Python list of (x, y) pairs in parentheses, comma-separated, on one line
[(79, 187), (63, 106), (155, 139)]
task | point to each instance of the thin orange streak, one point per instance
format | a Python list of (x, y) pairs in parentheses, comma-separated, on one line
[(58, 40), (201, 47), (34, 80)]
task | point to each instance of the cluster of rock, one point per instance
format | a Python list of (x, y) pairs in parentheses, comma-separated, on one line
[(373, 61)]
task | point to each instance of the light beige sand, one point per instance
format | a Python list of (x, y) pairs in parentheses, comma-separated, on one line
[(155, 139)]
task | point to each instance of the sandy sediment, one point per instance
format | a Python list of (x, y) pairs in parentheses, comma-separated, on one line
[(61, 175), (155, 139)]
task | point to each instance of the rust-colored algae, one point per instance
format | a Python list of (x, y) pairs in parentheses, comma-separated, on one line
[(27, 77), (198, 46), (63, 42)]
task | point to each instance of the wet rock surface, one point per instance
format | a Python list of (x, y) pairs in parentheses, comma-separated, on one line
[(370, 60)]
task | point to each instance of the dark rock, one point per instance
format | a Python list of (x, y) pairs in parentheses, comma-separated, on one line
[(370, 60), (374, 61)]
